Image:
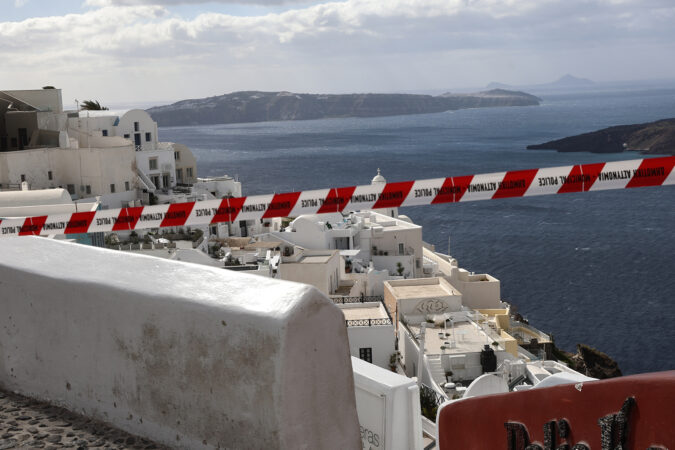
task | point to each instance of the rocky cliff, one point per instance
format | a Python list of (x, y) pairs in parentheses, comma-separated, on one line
[(649, 138), (589, 361), (255, 106)]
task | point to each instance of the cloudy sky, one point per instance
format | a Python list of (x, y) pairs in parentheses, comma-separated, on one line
[(161, 50)]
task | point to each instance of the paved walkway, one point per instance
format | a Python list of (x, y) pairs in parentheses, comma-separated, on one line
[(27, 423)]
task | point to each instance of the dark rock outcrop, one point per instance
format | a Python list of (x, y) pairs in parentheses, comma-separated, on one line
[(590, 362), (255, 106), (649, 138)]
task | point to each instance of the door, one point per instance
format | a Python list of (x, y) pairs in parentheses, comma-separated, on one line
[(137, 140), (23, 138)]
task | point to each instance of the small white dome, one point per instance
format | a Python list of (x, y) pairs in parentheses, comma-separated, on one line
[(378, 179)]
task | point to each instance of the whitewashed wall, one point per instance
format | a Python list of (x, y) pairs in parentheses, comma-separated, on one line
[(379, 338), (190, 356)]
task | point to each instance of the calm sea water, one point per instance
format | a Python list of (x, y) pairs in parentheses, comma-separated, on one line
[(594, 268)]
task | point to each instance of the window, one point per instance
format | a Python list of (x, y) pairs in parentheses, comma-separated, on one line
[(104, 132), (188, 172), (366, 354), (166, 180), (179, 175), (71, 189), (126, 136), (23, 178), (136, 127), (23, 136), (49, 175), (400, 249), (126, 185), (148, 137), (88, 189), (112, 188), (176, 156), (153, 163)]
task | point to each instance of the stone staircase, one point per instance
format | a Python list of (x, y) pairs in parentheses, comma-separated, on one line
[(436, 368)]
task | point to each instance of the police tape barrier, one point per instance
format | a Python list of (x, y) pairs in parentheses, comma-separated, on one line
[(521, 183)]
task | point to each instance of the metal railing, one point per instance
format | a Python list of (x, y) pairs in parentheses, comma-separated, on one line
[(437, 398), (368, 322), (362, 299)]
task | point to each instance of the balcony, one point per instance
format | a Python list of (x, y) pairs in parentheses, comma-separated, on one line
[(364, 311)]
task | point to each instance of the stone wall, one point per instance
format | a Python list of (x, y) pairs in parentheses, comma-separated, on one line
[(185, 355)]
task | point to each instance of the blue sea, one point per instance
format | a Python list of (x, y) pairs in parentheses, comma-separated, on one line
[(595, 268)]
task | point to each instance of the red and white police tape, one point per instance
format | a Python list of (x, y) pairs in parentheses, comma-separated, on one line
[(521, 183)]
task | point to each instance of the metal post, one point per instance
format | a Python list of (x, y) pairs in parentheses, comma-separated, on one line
[(420, 357)]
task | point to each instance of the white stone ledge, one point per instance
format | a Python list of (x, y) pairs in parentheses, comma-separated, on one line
[(186, 355)]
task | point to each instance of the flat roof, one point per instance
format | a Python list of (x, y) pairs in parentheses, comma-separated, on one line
[(357, 311), (264, 244), (434, 288), (468, 338), (314, 259)]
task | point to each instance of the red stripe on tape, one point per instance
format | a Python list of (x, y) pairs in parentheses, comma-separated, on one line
[(446, 194), (281, 205), (652, 172), (461, 185), (228, 210), (128, 218), (591, 173), (337, 200), (32, 226), (393, 194), (574, 182), (515, 183), (79, 222), (177, 214)]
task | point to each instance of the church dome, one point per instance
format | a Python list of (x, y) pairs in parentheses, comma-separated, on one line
[(378, 179)]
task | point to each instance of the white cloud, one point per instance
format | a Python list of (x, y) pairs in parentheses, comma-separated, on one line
[(102, 3), (20, 3), (340, 46)]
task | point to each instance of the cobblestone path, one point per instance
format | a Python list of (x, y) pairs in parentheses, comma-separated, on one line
[(27, 423)]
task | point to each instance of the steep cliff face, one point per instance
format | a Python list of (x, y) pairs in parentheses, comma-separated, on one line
[(594, 363), (649, 138), (255, 106), (589, 361)]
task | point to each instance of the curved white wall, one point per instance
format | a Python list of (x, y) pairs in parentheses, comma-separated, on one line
[(186, 355)]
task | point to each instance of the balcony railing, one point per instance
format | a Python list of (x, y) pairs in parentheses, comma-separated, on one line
[(368, 322), (338, 299)]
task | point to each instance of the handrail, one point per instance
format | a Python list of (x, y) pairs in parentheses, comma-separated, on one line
[(368, 322)]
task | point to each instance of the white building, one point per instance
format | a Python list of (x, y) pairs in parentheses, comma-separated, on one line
[(371, 332), (114, 155), (458, 343), (390, 243), (388, 406), (319, 268), (37, 148), (479, 290), (164, 164)]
